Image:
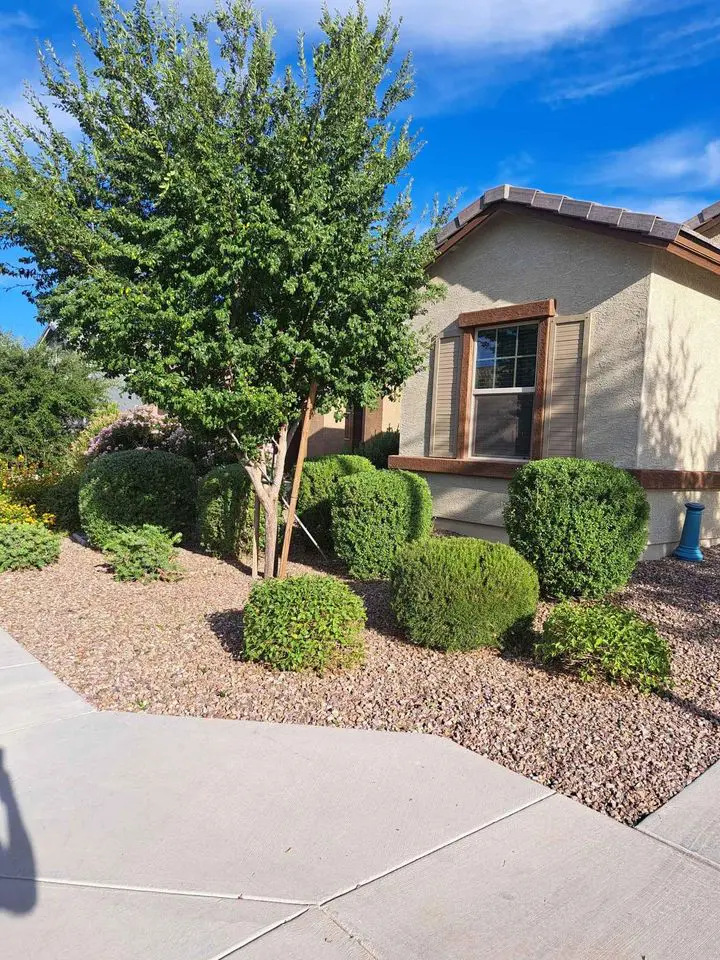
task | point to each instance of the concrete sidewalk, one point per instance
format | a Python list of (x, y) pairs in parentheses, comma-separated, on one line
[(165, 838)]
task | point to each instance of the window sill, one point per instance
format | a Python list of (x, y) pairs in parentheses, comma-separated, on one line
[(499, 469)]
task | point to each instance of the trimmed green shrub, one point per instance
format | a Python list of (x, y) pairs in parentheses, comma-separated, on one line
[(136, 487), (317, 488), (24, 545), (383, 445), (226, 505), (604, 641), (312, 622), (60, 498), (145, 553), (583, 525), (374, 515), (458, 593)]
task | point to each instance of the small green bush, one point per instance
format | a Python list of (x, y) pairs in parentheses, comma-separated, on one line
[(60, 498), (137, 487), (383, 445), (146, 553), (226, 505), (312, 622), (374, 515), (583, 525), (317, 488), (24, 545), (458, 593), (604, 641)]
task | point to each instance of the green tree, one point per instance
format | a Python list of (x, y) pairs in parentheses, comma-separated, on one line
[(232, 239), (45, 397)]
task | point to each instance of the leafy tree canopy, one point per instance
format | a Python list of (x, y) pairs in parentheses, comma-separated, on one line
[(45, 397), (224, 234)]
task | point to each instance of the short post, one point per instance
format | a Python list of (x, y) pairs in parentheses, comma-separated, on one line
[(689, 547)]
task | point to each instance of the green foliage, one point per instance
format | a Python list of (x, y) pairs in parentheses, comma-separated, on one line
[(383, 445), (137, 487), (225, 234), (59, 496), (604, 641), (46, 395), (24, 545), (583, 525), (226, 505), (317, 488), (13, 512), (374, 515), (312, 622), (458, 593), (143, 553)]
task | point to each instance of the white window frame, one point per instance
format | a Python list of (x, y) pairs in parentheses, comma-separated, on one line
[(487, 391)]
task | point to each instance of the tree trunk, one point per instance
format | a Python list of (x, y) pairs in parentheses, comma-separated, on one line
[(255, 536), (297, 475)]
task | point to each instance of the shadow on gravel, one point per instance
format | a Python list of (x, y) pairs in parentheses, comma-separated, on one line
[(689, 707), (17, 859), (227, 625)]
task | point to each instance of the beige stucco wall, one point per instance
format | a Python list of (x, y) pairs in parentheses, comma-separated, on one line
[(654, 320)]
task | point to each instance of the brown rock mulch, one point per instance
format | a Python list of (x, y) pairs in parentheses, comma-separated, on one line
[(175, 648)]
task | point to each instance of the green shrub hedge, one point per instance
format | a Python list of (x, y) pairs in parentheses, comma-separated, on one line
[(317, 488), (60, 497), (583, 525), (604, 641), (458, 593), (143, 553), (312, 622), (226, 505), (374, 515), (137, 487), (25, 545)]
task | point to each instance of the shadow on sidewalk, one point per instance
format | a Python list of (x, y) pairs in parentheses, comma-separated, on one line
[(16, 853)]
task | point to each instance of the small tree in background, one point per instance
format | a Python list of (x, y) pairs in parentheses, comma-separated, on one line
[(45, 397), (222, 236)]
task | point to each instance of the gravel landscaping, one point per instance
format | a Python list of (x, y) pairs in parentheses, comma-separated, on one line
[(176, 648)]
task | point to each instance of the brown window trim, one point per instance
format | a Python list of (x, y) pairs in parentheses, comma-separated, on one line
[(686, 481), (542, 310)]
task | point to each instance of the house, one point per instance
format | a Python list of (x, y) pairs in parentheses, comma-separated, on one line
[(328, 435), (570, 329)]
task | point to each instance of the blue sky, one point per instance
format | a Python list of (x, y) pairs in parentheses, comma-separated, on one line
[(609, 100)]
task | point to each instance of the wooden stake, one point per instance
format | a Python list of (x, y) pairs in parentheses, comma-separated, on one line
[(302, 453), (256, 538)]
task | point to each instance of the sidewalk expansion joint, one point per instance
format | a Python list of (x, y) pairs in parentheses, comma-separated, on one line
[(441, 846), (679, 848), (256, 936), (165, 891)]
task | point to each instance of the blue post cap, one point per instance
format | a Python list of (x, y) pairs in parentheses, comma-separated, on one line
[(693, 505)]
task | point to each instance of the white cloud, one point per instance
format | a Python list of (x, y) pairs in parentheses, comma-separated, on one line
[(479, 24), (688, 160), (678, 209), (19, 20)]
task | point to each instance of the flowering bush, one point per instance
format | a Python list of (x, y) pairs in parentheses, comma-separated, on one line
[(143, 427), (12, 512)]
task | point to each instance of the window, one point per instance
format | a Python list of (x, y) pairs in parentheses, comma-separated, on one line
[(504, 391)]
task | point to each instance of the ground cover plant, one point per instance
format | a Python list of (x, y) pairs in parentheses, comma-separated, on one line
[(24, 545), (135, 487), (458, 593), (583, 525), (602, 641), (374, 514), (304, 623), (143, 553)]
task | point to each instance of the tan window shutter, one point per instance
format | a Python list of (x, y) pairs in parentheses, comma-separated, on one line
[(443, 426), (565, 387)]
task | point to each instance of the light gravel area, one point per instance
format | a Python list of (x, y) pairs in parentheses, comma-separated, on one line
[(176, 648)]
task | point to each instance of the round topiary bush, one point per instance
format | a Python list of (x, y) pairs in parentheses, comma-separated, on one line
[(135, 487), (313, 622), (317, 488), (458, 593), (374, 515), (225, 511), (583, 525), (25, 545), (602, 640)]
